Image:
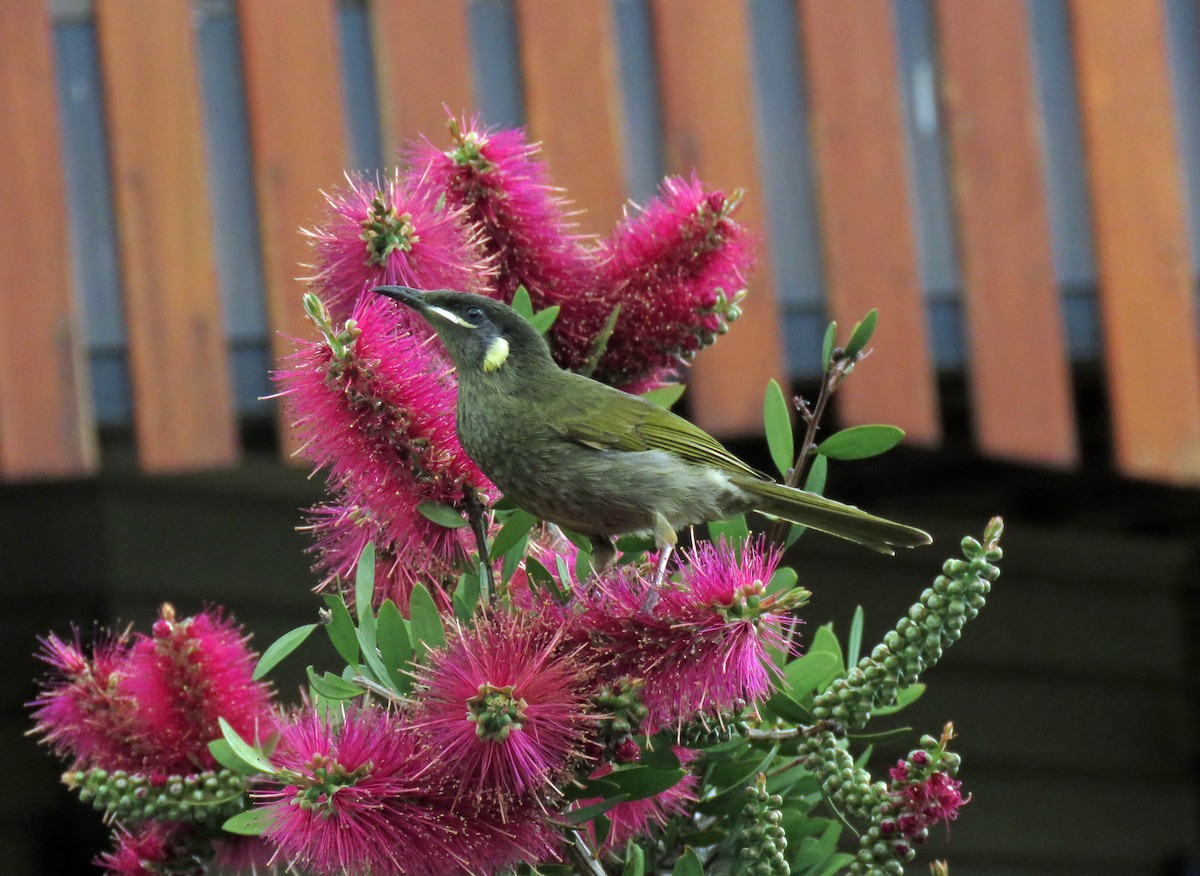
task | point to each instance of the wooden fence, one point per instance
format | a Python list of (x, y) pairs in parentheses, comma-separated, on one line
[(1017, 365)]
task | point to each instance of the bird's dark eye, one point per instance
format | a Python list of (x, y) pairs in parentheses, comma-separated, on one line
[(473, 315)]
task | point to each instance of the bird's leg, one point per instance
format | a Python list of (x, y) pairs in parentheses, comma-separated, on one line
[(665, 539), (479, 528)]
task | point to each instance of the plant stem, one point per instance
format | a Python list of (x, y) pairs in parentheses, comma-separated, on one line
[(379, 690), (475, 515), (581, 856)]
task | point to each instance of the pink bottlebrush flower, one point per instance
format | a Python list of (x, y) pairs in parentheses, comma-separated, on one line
[(701, 646), (82, 713), (151, 849), (501, 183), (362, 798), (340, 532), (677, 270), (242, 854), (635, 818), (506, 708), (187, 674), (392, 232), (374, 403), (921, 794)]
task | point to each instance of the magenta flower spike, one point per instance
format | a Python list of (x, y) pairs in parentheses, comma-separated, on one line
[(392, 231), (677, 269), (184, 676), (635, 818), (501, 183), (362, 798), (373, 402), (145, 851), (506, 709)]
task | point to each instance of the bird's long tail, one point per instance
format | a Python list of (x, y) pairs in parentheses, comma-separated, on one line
[(833, 518)]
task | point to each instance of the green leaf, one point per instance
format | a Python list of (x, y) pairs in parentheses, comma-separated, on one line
[(564, 571), (522, 303), (787, 708), (906, 696), (601, 827), (861, 442), (782, 581), (688, 864), (340, 629), (600, 344), (733, 529), (814, 481), (665, 396), (544, 319), (244, 750), (812, 673), (513, 530), (825, 640), (222, 753), (861, 336), (395, 647), (640, 782), (854, 642), (777, 420), (442, 515), (370, 653), (882, 737), (661, 757), (333, 687), (513, 557), (364, 583), (252, 822), (427, 630), (827, 346), (584, 814), (635, 860), (280, 648), (466, 595)]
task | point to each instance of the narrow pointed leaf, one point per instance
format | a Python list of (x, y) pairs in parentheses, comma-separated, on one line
[(244, 750), (584, 814), (777, 420), (861, 442), (333, 687), (688, 864), (395, 647), (521, 302), (854, 642), (513, 530), (904, 697), (442, 515), (827, 346), (665, 396), (861, 336), (280, 648), (340, 629), (252, 822), (364, 582), (544, 319), (222, 753), (427, 630)]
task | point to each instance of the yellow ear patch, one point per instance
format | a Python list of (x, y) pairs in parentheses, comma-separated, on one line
[(496, 355)]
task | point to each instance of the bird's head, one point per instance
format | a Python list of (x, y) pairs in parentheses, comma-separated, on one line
[(482, 335)]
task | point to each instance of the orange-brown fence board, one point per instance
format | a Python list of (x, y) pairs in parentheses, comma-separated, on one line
[(708, 122), (1147, 309), (46, 424), (183, 412), (298, 139), (423, 68), (1020, 382), (568, 54), (866, 221)]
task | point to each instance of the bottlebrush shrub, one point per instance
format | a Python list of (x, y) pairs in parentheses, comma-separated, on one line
[(496, 705)]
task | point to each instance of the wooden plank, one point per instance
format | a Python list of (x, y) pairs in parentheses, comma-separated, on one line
[(422, 66), (866, 219), (1147, 310), (46, 423), (183, 410), (572, 97), (1020, 380), (298, 138), (708, 123)]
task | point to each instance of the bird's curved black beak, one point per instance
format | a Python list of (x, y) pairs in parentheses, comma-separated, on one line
[(413, 298)]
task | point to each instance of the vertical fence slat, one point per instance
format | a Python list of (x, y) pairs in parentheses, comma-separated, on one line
[(866, 220), (1021, 389), (298, 138), (423, 67), (573, 101), (46, 426), (1147, 310), (708, 122), (183, 409)]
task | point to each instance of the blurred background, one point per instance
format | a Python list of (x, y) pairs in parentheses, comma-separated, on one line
[(1014, 184)]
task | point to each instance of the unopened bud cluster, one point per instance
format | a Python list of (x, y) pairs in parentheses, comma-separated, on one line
[(847, 786), (207, 797), (715, 731), (761, 841), (932, 624), (621, 702)]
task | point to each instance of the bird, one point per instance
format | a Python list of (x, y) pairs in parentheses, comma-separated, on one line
[(596, 460)]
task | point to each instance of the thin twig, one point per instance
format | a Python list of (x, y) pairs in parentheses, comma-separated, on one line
[(581, 856), (475, 515), (778, 733)]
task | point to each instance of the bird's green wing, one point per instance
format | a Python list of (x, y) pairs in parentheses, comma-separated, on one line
[(614, 420)]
